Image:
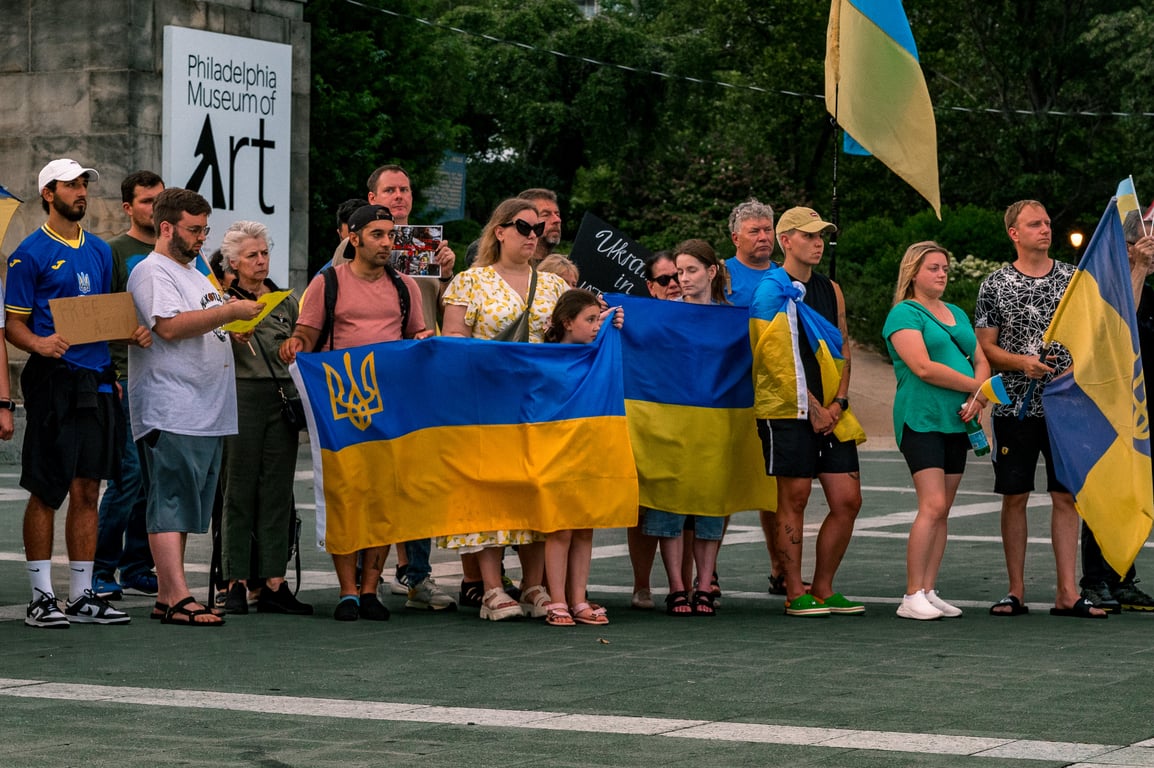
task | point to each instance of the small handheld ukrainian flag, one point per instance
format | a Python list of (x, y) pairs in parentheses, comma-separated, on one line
[(994, 390)]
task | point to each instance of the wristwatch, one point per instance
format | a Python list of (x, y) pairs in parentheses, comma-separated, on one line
[(843, 402), (7, 405)]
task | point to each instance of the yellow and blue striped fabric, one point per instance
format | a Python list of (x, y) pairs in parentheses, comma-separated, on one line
[(875, 88), (777, 318), (689, 399), (8, 205), (1096, 415), (1127, 198), (414, 439)]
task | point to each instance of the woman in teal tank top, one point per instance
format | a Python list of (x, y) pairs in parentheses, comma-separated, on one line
[(938, 363)]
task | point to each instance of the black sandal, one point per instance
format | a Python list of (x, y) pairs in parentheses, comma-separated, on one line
[(189, 616), (675, 600), (703, 604)]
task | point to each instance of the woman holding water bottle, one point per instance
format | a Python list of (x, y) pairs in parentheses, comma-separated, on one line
[(939, 367)]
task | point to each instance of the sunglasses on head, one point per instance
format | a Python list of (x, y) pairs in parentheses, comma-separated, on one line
[(524, 228), (665, 280)]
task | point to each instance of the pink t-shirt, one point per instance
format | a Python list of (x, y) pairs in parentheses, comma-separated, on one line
[(367, 312)]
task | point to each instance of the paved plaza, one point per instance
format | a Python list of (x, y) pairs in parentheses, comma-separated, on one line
[(750, 687)]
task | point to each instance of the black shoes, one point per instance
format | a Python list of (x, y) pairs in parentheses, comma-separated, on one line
[(282, 601)]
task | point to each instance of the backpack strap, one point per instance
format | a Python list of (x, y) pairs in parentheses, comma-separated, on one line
[(331, 288), (403, 298)]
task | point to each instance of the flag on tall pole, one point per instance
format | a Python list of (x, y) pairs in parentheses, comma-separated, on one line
[(1096, 415), (875, 90)]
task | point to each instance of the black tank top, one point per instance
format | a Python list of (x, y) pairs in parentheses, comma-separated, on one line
[(819, 295)]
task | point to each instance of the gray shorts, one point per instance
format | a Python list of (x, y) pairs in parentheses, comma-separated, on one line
[(182, 476)]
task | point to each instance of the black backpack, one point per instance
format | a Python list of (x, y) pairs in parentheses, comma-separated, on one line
[(331, 288)]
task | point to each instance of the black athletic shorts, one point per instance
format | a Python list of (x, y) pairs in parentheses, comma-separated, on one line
[(792, 449), (935, 450), (1015, 451)]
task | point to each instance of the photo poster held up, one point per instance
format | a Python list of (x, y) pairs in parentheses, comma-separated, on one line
[(609, 260)]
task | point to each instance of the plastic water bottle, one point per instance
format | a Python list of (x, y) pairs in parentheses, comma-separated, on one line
[(977, 437)]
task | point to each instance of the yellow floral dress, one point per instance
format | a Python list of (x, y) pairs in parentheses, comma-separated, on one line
[(490, 305)]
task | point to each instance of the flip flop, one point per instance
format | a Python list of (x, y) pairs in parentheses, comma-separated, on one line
[(1017, 608), (1080, 610)]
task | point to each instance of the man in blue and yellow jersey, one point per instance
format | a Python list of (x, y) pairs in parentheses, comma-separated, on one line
[(75, 428)]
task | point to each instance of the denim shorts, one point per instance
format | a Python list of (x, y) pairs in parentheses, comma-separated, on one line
[(669, 525)]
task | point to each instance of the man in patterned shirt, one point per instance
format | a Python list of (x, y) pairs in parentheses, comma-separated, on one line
[(1014, 308)]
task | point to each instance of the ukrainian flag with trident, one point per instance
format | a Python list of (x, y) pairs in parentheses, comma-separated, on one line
[(1096, 413)]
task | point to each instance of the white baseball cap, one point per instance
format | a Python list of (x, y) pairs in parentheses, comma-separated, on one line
[(63, 170)]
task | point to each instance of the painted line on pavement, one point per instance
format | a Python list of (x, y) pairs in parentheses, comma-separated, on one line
[(753, 733)]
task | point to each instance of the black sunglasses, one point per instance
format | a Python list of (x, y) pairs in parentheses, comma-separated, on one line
[(664, 280), (525, 228)]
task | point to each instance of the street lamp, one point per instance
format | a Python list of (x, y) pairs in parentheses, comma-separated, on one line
[(1076, 239)]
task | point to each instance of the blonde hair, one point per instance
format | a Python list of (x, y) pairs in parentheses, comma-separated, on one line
[(489, 251), (912, 261), (559, 265)]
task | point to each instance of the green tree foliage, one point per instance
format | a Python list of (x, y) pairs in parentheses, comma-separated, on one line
[(666, 157)]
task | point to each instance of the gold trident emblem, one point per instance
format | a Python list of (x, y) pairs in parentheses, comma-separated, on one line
[(357, 406)]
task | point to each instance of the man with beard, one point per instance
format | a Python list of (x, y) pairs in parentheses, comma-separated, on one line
[(546, 202), (75, 428), (122, 541), (183, 393)]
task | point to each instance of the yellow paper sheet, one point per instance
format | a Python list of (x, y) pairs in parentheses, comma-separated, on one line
[(270, 301)]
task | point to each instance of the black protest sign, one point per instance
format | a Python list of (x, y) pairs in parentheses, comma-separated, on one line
[(610, 262)]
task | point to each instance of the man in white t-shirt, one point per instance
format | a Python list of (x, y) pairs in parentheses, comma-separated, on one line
[(183, 393)]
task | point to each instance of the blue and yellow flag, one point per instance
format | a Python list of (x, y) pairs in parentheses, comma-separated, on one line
[(875, 89), (1127, 198), (8, 205), (1096, 415), (414, 439), (778, 318), (689, 398)]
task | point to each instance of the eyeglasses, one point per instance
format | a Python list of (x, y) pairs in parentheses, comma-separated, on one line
[(195, 231), (665, 280), (524, 228)]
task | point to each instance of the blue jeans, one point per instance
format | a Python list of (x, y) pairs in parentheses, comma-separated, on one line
[(418, 568), (121, 538)]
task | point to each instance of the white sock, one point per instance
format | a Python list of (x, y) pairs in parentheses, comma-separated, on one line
[(40, 574), (79, 578), (915, 594)]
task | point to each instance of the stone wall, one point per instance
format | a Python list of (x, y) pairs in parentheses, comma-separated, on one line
[(82, 79)]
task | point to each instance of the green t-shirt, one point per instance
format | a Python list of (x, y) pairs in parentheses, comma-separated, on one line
[(925, 407), (127, 252)]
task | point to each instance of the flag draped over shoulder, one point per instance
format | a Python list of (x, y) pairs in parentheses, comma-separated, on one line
[(777, 319), (875, 89), (689, 399), (414, 439), (1096, 415)]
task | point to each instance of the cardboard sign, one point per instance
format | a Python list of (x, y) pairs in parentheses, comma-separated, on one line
[(610, 262), (100, 317)]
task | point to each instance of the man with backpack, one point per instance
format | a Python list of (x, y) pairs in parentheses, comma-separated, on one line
[(364, 301)]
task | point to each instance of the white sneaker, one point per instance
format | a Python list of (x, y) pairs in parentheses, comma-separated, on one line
[(427, 596), (948, 611), (398, 585), (916, 606), (43, 612), (90, 609)]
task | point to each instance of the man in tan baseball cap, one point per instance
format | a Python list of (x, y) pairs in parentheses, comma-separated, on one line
[(798, 438)]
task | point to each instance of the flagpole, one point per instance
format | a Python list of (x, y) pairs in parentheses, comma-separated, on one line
[(834, 213), (1141, 212)]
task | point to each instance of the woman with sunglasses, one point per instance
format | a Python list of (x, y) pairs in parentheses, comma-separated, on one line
[(481, 303)]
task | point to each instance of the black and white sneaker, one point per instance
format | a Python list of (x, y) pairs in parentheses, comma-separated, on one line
[(89, 608), (43, 612)]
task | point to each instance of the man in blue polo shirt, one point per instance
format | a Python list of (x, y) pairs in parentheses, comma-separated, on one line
[(75, 428)]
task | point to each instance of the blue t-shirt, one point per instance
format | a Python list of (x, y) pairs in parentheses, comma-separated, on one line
[(45, 266), (743, 281)]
